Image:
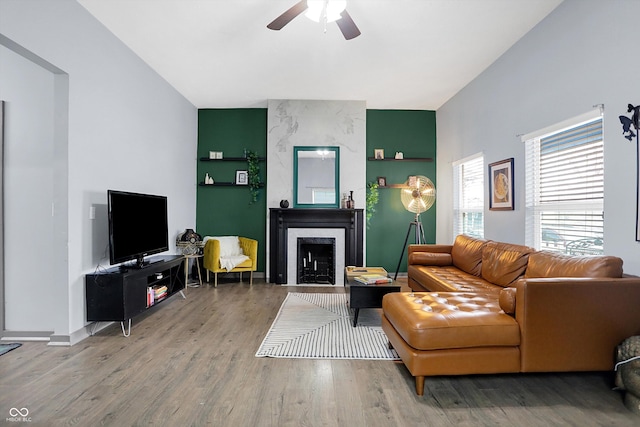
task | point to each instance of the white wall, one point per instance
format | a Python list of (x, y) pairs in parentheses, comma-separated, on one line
[(28, 90), (126, 129), (581, 55)]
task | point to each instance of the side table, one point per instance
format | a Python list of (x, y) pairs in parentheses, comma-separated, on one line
[(195, 257)]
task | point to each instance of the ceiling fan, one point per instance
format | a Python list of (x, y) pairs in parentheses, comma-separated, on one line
[(317, 10)]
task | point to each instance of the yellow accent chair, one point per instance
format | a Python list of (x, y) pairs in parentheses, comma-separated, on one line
[(212, 253)]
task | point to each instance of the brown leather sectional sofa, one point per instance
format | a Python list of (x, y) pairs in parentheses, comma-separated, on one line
[(482, 307)]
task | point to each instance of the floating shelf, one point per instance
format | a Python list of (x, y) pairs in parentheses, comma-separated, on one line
[(225, 184), (406, 159), (393, 186), (229, 159)]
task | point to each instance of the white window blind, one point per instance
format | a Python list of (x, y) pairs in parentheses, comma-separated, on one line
[(565, 190), (468, 200)]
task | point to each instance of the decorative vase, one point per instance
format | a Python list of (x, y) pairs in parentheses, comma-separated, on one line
[(284, 204)]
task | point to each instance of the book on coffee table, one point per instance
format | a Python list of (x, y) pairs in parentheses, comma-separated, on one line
[(373, 279), (353, 272)]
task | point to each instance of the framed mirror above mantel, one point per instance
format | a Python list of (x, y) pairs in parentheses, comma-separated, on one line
[(316, 177)]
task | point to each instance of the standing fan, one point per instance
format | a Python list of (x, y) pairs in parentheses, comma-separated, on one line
[(417, 196)]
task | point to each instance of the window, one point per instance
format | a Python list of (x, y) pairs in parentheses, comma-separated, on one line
[(468, 196), (565, 187)]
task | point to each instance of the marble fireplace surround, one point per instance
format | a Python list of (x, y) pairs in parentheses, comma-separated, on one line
[(293, 123)]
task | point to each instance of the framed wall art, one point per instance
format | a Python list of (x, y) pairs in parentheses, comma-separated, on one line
[(501, 185), (242, 177)]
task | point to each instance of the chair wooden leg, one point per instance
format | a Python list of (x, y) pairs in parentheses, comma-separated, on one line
[(420, 385), (208, 283), (215, 280), (251, 278), (241, 277)]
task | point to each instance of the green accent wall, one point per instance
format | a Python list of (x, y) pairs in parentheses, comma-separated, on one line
[(228, 211), (414, 134), (222, 211)]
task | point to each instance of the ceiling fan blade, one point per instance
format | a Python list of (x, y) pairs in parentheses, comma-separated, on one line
[(288, 16), (347, 26)]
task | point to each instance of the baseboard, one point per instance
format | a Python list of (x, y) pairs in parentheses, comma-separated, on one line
[(26, 335)]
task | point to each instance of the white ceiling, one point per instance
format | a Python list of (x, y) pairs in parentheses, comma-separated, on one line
[(412, 54)]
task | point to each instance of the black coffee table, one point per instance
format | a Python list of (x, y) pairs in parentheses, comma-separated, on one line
[(367, 296)]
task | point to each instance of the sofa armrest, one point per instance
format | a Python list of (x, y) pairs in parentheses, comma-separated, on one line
[(250, 249), (575, 324), (430, 255), (211, 258)]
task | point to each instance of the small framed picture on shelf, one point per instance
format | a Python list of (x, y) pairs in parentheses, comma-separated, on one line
[(501, 185), (242, 177), (382, 181), (378, 153)]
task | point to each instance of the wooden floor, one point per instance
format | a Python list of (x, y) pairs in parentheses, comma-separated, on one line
[(191, 362)]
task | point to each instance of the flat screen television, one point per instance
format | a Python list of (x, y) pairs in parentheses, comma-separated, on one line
[(137, 226)]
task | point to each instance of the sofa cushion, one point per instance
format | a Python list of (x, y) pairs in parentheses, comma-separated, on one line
[(550, 264), (448, 320), (447, 278), (466, 254), (504, 263), (429, 258), (507, 300)]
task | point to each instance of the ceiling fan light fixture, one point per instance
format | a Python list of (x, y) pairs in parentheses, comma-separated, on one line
[(318, 9)]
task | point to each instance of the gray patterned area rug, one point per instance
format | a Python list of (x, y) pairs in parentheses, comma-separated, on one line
[(318, 326)]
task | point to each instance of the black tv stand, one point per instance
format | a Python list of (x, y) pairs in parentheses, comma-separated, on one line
[(140, 264), (120, 293)]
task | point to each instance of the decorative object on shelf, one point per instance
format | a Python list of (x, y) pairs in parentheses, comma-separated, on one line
[(242, 177), (208, 179), (418, 195), (351, 204), (382, 181), (630, 123), (212, 154), (343, 202), (399, 155), (372, 199), (501, 185), (378, 153), (284, 204), (253, 166)]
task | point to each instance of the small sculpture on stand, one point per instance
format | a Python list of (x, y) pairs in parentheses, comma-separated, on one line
[(189, 242)]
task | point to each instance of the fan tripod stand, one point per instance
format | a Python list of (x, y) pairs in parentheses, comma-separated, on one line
[(419, 239)]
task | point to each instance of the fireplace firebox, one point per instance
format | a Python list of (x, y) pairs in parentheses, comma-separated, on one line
[(316, 260)]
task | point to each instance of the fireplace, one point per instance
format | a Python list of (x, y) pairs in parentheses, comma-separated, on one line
[(343, 225), (316, 260)]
